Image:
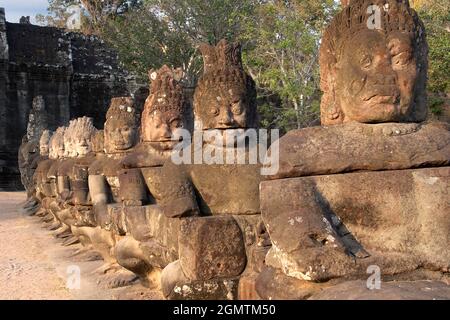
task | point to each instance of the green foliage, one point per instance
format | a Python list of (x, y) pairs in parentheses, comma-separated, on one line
[(436, 105), (169, 31), (144, 41), (57, 13), (282, 40), (436, 17), (204, 20)]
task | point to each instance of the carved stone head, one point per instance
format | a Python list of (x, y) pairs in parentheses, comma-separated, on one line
[(373, 62), (121, 126), (165, 109), (44, 142), (69, 151), (37, 120), (225, 97), (78, 137), (83, 132), (56, 144)]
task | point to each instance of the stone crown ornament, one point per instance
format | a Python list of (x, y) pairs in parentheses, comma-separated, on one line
[(222, 64), (224, 87), (122, 108), (78, 137), (166, 92)]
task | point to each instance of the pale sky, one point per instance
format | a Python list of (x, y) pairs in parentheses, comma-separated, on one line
[(15, 9)]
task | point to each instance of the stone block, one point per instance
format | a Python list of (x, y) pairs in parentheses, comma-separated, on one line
[(176, 286), (330, 226), (211, 247), (157, 234)]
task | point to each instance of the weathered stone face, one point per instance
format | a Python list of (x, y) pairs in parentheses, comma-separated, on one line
[(225, 97), (376, 77), (78, 137), (221, 189), (44, 143), (83, 136), (373, 74), (56, 144), (121, 126), (82, 144), (165, 108)]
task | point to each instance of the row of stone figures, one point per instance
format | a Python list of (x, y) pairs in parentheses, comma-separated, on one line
[(368, 187)]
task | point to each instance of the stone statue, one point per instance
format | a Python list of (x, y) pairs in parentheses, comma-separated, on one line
[(355, 196), (120, 136), (38, 163), (42, 166), (165, 112), (72, 177), (215, 205), (87, 220), (49, 205), (29, 150)]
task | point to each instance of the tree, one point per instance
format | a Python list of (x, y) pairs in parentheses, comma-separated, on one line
[(169, 31), (283, 39), (436, 17), (144, 41), (100, 11), (58, 13), (204, 20), (94, 13)]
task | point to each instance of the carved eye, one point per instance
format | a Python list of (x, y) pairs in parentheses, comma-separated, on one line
[(176, 124), (366, 62), (401, 59), (214, 111), (237, 108)]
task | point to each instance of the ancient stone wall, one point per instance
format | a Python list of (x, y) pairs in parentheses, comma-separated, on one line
[(76, 74)]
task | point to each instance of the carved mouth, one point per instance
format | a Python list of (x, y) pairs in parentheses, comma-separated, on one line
[(224, 128), (121, 146), (380, 99)]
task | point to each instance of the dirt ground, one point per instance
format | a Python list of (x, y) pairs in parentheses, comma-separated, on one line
[(34, 264)]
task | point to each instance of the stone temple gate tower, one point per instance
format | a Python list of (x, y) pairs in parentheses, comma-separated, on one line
[(76, 75)]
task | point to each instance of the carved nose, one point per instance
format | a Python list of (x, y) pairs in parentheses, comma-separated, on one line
[(225, 118), (166, 132)]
